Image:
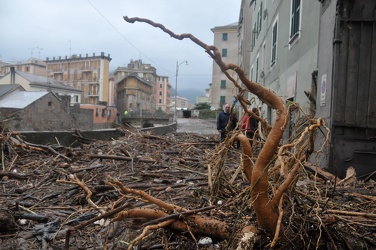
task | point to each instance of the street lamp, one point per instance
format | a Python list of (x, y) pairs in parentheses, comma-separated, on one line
[(176, 85)]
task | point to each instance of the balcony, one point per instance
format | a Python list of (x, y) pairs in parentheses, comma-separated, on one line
[(84, 68), (58, 70)]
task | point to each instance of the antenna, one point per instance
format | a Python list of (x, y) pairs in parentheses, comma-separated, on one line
[(70, 48), (31, 52), (39, 50)]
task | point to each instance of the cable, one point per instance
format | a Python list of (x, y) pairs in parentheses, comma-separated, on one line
[(127, 39)]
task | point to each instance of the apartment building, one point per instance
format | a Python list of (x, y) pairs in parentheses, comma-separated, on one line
[(319, 54), (31, 66), (182, 103), (134, 94), (284, 49), (245, 35), (163, 93), (148, 75), (226, 40), (89, 73)]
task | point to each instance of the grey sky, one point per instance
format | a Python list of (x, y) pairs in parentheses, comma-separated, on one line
[(64, 27)]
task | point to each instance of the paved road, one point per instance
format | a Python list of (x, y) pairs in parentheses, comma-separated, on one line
[(198, 126)]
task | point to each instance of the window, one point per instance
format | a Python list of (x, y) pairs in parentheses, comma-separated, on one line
[(259, 19), (224, 52), (295, 18), (222, 100), (274, 42), (254, 31), (224, 36), (103, 112), (160, 85), (223, 84), (160, 101), (160, 92)]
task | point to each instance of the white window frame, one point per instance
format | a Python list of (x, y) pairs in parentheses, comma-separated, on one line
[(294, 37)]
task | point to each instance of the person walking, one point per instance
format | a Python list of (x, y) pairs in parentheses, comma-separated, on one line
[(222, 121)]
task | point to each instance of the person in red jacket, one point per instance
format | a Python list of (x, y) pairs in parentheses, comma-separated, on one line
[(250, 125)]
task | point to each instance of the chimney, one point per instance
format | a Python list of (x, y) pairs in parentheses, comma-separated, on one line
[(12, 75)]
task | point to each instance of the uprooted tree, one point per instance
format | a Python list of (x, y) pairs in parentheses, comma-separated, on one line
[(266, 198)]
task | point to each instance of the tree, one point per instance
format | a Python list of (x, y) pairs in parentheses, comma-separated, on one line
[(267, 205), (202, 105)]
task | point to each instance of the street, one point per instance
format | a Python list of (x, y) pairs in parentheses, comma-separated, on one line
[(199, 126)]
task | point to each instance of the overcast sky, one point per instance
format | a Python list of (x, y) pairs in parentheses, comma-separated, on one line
[(53, 28)]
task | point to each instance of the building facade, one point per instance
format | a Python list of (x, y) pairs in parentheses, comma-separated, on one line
[(284, 49), (163, 93), (146, 75), (135, 95), (87, 73), (31, 66), (31, 82), (226, 40), (182, 103), (346, 86), (245, 35)]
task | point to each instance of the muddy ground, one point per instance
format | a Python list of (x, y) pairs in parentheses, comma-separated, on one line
[(57, 197)]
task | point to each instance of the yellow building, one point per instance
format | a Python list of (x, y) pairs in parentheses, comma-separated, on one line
[(134, 94), (87, 73)]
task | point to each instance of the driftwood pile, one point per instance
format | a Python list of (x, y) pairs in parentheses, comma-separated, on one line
[(56, 197)]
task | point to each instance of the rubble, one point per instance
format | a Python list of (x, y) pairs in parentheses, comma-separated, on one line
[(57, 197)]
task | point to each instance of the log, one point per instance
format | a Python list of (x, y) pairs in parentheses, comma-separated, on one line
[(122, 158)]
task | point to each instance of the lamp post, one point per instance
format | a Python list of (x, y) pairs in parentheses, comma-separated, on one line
[(176, 85)]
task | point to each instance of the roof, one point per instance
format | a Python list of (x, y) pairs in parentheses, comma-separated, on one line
[(8, 88), (21, 99), (228, 26), (44, 81), (38, 79)]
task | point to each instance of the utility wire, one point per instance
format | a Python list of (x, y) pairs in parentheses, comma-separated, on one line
[(126, 38)]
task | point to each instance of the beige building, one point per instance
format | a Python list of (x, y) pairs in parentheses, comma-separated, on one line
[(182, 103), (31, 66), (31, 82), (226, 40), (148, 74), (134, 94), (87, 73)]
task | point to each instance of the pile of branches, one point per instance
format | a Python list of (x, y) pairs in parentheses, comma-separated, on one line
[(152, 192)]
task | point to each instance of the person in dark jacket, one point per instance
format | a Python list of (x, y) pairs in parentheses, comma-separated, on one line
[(254, 125), (223, 120)]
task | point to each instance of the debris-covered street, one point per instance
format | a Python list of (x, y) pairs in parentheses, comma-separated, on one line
[(57, 197)]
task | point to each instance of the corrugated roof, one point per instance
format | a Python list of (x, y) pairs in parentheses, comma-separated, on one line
[(21, 99)]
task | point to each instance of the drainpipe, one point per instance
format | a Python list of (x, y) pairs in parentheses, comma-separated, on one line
[(336, 48)]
